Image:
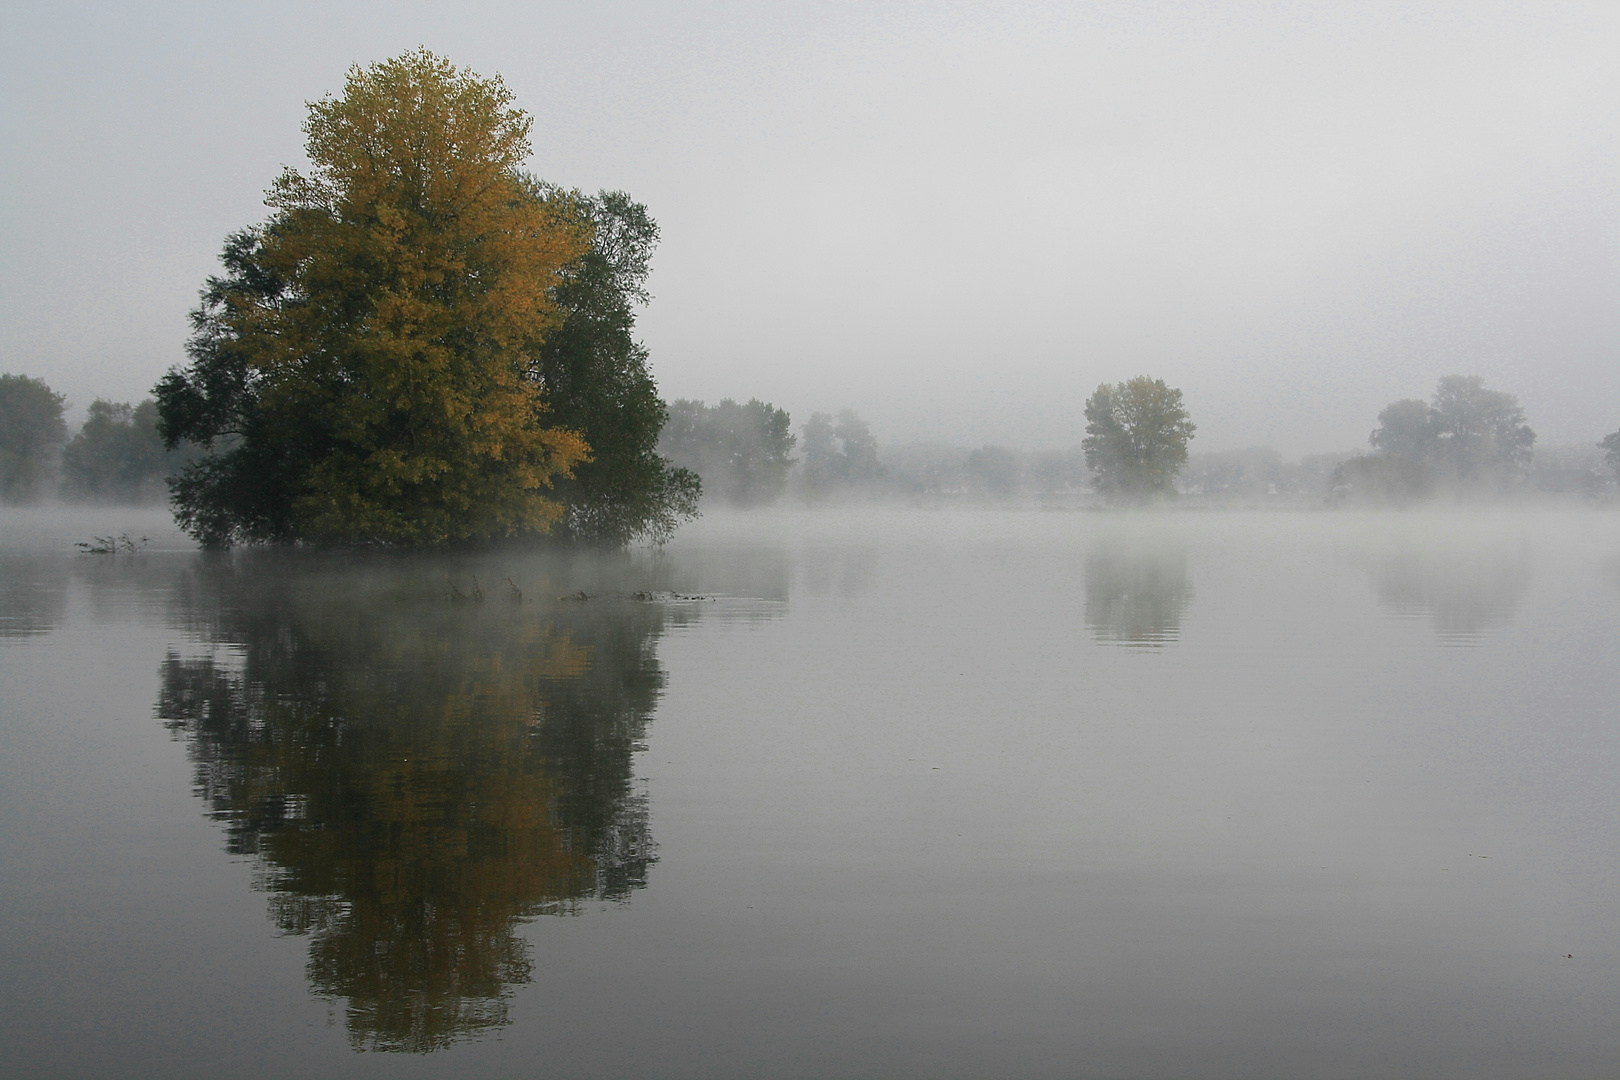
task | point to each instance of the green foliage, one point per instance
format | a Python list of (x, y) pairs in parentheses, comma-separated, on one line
[(31, 432), (364, 371), (742, 452), (117, 455), (839, 453), (1136, 437), (596, 380)]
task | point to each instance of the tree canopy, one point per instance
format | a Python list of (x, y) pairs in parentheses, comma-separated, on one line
[(742, 451), (839, 452), (1611, 450), (117, 454), (1479, 433), (596, 380), (1466, 438), (1136, 437), (31, 432), (365, 369)]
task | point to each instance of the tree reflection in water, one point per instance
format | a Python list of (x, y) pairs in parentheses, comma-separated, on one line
[(1463, 589), (415, 776), (1136, 590)]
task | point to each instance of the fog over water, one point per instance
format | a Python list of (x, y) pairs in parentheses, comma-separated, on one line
[(880, 791), (958, 219), (962, 753)]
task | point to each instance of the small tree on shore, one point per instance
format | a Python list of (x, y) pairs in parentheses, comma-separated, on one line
[(1136, 437)]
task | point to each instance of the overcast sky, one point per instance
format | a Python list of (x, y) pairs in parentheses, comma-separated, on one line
[(957, 219)]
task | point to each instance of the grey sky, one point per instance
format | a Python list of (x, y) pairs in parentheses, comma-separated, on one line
[(956, 218)]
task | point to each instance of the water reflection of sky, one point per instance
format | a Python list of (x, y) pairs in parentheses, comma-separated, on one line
[(1000, 784)]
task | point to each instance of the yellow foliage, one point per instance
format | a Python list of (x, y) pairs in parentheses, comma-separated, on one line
[(420, 264)]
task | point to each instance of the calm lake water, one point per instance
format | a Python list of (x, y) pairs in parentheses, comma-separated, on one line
[(887, 793)]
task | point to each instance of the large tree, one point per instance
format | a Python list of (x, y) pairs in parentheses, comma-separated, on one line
[(1480, 434), (596, 380), (31, 432), (365, 369), (1136, 437), (1465, 438)]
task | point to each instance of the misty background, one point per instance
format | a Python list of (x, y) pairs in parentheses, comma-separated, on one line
[(956, 219)]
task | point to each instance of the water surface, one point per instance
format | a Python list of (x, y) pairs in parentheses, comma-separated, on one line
[(870, 793)]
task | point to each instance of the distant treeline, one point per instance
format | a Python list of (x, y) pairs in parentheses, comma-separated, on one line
[(116, 455), (1470, 441), (1467, 440)]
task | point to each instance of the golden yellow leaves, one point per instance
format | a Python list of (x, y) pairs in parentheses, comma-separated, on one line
[(422, 265)]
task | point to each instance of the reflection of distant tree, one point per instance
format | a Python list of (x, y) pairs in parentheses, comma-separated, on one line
[(1136, 591), (414, 777), (1463, 592)]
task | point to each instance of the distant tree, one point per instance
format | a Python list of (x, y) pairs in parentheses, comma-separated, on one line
[(1480, 434), (117, 456), (741, 452), (1406, 429), (596, 381), (839, 452), (31, 433), (365, 369), (994, 470), (1466, 438), (1136, 437), (1611, 451)]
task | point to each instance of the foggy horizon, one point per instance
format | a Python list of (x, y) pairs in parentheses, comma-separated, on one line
[(957, 222), (1098, 557)]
